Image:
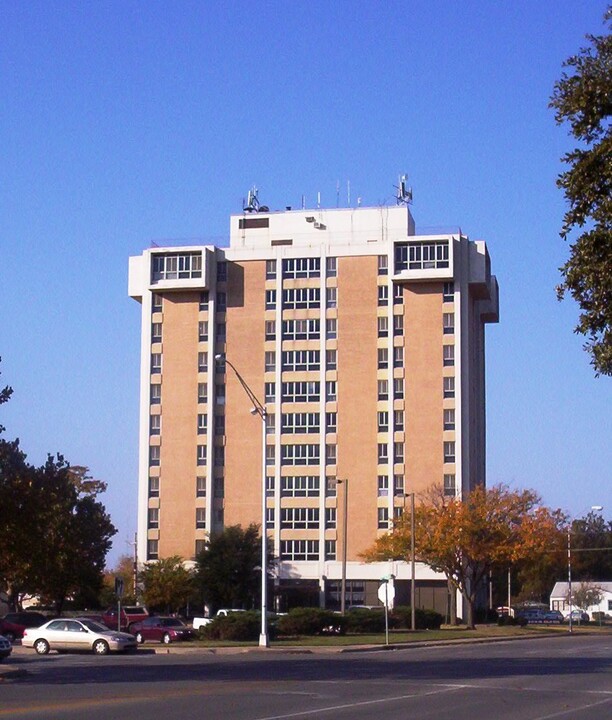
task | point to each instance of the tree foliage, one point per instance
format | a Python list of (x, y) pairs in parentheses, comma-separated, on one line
[(167, 583), (229, 568), (489, 530), (583, 98), (585, 595), (592, 548)]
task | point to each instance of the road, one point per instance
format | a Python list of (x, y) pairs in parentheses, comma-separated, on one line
[(564, 678)]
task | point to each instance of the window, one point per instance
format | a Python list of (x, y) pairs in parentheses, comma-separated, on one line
[(398, 452), (383, 264), (398, 294), (270, 518), (155, 394), (330, 391), (331, 359), (220, 394), (383, 485), (270, 299), (383, 326), (383, 518), (270, 269), (156, 332), (201, 518), (156, 303), (270, 330), (383, 389), (301, 267), (398, 388), (331, 297), (301, 298), (152, 549), (299, 549), (383, 295), (270, 423), (300, 486), (270, 455), (398, 357), (398, 420), (300, 518), (449, 387), (201, 455), (448, 323), (221, 271), (383, 421), (331, 266), (173, 266), (449, 452), (156, 363), (383, 453), (202, 393), (153, 486), (398, 484), (154, 455), (269, 392), (202, 361), (301, 329), (331, 422), (448, 355), (331, 328), (449, 419), (155, 424), (203, 330), (301, 391), (448, 292), (270, 361), (200, 546), (202, 423), (221, 332), (330, 518), (330, 550), (270, 486), (398, 324), (331, 486), (383, 358), (449, 485), (219, 424), (200, 486), (301, 360), (219, 456), (300, 423), (300, 454), (204, 300), (425, 255), (330, 454)]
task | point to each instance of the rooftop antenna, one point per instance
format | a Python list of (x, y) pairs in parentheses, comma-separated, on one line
[(337, 193), (404, 193), (348, 193), (303, 202), (319, 199), (252, 202)]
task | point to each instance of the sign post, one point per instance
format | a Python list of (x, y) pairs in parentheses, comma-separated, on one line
[(386, 595), (119, 587)]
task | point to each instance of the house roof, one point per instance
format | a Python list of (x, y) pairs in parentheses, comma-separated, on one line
[(560, 588)]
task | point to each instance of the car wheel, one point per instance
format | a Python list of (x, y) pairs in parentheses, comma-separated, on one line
[(166, 639), (10, 636), (100, 647), (139, 638), (41, 646)]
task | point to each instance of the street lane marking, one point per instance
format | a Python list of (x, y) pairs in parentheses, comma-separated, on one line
[(571, 711)]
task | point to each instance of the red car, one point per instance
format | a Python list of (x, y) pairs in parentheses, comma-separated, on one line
[(130, 615), (12, 625), (162, 629)]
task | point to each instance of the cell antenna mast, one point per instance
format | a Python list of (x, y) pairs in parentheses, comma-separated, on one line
[(404, 193), (251, 204)]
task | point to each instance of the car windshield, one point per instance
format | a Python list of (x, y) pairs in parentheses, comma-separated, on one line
[(172, 622), (94, 626)]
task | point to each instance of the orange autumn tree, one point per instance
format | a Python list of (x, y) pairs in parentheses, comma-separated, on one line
[(490, 529)]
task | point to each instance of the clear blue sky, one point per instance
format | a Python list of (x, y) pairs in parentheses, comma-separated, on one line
[(123, 123)]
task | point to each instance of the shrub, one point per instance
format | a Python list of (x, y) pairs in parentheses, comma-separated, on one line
[(311, 621), (401, 617), (503, 620), (235, 626), (365, 621)]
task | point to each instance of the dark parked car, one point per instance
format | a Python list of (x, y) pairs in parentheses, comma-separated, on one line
[(12, 625), (162, 629), (5, 648)]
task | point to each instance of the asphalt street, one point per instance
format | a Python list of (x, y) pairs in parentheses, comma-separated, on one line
[(565, 677)]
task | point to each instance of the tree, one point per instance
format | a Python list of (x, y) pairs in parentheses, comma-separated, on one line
[(229, 568), (583, 98), (5, 394), (585, 595), (466, 539), (592, 548), (168, 585), (124, 569)]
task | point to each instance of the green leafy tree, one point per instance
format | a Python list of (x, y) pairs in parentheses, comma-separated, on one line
[(168, 585), (585, 595), (229, 568), (592, 548), (5, 394), (583, 98), (124, 569)]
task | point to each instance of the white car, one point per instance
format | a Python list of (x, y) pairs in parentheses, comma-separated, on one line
[(200, 622), (76, 634)]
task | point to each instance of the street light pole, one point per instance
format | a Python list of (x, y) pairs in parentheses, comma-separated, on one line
[(260, 410), (344, 543)]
